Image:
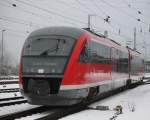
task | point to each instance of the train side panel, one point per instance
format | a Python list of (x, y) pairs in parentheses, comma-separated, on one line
[(136, 67)]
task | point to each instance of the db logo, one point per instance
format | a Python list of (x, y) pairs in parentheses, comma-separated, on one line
[(40, 70)]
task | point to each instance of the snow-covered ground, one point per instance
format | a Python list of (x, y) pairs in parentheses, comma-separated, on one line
[(9, 86), (147, 75), (8, 95), (9, 77), (135, 103), (16, 108)]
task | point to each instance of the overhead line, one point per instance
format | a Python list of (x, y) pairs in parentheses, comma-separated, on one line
[(83, 5), (16, 31), (22, 9), (135, 9), (97, 5), (50, 12), (100, 17), (121, 10), (19, 21), (77, 8), (35, 14)]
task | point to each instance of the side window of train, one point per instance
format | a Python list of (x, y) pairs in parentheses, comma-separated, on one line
[(99, 53), (123, 62), (120, 63), (84, 55), (93, 52)]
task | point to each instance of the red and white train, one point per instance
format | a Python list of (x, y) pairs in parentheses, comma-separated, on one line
[(65, 65)]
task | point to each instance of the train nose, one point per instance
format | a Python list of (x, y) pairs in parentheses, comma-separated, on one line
[(39, 87), (42, 86)]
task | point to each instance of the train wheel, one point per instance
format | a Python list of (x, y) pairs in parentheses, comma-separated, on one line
[(128, 83), (93, 91)]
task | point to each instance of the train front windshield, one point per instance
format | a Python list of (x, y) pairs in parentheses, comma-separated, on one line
[(44, 55)]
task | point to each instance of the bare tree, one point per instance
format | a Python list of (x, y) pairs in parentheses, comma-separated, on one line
[(6, 65)]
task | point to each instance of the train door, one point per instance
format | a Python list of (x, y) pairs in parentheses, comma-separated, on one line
[(114, 66)]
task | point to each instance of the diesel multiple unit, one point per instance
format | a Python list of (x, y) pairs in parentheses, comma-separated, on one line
[(65, 65)]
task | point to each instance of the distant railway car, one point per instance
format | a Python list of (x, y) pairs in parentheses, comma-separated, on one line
[(65, 65)]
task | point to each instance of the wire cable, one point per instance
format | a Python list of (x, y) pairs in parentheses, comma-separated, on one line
[(121, 10), (51, 12), (24, 10)]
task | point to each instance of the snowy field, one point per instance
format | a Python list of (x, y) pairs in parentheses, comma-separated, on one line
[(147, 75), (135, 103), (9, 86)]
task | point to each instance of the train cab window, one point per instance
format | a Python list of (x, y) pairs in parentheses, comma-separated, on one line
[(84, 56), (123, 62), (49, 46), (120, 61), (95, 53), (50, 53), (99, 53)]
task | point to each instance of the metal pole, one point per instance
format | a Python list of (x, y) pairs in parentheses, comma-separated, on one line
[(89, 20), (2, 55), (134, 38)]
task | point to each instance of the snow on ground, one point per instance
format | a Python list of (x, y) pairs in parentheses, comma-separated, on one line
[(8, 95), (9, 77), (9, 80), (34, 116), (147, 75), (16, 108), (9, 86), (135, 103)]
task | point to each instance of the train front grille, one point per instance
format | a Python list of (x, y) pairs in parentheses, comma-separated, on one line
[(40, 86)]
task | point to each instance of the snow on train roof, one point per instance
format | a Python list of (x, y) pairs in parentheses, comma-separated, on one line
[(65, 31)]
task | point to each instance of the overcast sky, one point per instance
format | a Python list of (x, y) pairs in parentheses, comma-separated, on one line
[(20, 17)]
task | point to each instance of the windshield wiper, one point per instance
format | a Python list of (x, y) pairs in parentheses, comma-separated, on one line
[(55, 48)]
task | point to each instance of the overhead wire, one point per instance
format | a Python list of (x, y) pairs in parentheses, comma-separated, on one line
[(16, 31), (77, 8), (89, 9), (24, 10), (134, 8), (121, 10), (29, 12), (20, 21), (64, 16), (94, 13), (68, 21), (83, 5), (97, 5), (51, 12)]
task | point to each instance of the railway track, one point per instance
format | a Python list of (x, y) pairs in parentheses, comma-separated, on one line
[(12, 102), (54, 113), (11, 98), (9, 90), (62, 112), (8, 78), (8, 82), (25, 113)]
